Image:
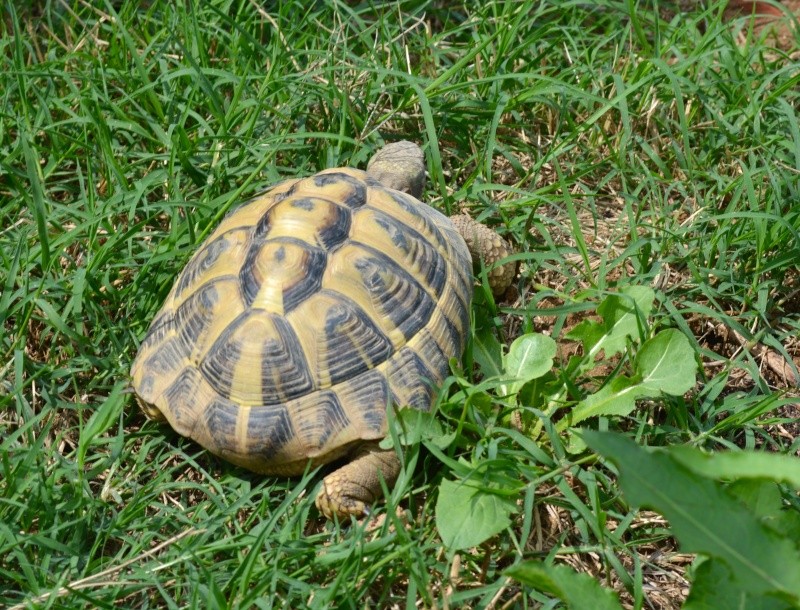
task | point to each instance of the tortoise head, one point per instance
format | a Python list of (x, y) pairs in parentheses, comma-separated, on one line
[(400, 166)]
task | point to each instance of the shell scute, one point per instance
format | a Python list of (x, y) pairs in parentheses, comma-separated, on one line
[(318, 419), (366, 398), (396, 294), (411, 382), (343, 185), (318, 221), (205, 314), (257, 361), (222, 418), (281, 274), (269, 430), (424, 218), (406, 245), (184, 395), (352, 344), (221, 258)]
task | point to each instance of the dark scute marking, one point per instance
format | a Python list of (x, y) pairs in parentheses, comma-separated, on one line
[(219, 363), (368, 394), (413, 383), (328, 419), (280, 254), (456, 337), (432, 353), (298, 292), (249, 284), (398, 295), (354, 344), (195, 314), (303, 203), (356, 198), (464, 321), (180, 397), (425, 213), (221, 416), (374, 419), (146, 384), (165, 359), (436, 275), (268, 430), (417, 249), (284, 370), (338, 229), (203, 261), (160, 327), (262, 226), (328, 178), (395, 230)]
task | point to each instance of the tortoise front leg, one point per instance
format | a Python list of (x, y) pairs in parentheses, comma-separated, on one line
[(351, 489), (486, 245)]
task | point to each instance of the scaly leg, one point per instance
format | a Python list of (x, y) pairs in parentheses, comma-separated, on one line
[(351, 489)]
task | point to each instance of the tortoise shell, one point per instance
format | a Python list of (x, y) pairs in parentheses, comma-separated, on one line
[(310, 310)]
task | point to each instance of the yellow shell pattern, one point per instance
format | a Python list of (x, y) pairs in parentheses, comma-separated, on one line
[(310, 310)]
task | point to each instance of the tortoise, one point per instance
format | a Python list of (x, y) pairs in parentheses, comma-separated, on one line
[(308, 312)]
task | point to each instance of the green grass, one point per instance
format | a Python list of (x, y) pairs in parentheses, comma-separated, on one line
[(612, 147)]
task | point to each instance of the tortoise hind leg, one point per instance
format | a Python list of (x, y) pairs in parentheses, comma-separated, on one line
[(351, 489)]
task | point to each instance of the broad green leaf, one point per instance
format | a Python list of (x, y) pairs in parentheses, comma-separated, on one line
[(574, 443), (535, 392), (740, 464), (616, 398), (466, 515), (100, 421), (764, 499), (414, 426), (755, 476), (761, 496), (488, 353), (704, 518), (578, 591), (713, 588), (623, 315), (666, 363), (529, 357), (588, 332)]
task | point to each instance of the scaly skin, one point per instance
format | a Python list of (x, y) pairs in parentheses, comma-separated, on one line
[(354, 487), (486, 245)]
